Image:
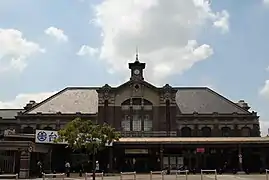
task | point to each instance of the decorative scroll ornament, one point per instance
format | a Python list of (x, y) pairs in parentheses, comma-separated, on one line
[(167, 92), (9, 131), (106, 89)]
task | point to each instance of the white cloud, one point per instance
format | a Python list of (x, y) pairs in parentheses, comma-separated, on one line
[(265, 89), (56, 33), (266, 2), (15, 50), (87, 50), (165, 32), (223, 21), (22, 99)]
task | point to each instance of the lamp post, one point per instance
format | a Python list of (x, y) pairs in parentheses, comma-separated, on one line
[(96, 143)]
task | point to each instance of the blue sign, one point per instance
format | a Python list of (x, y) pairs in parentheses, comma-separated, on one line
[(47, 136), (42, 136), (52, 137)]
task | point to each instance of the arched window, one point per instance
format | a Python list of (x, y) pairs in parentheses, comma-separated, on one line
[(126, 102), (245, 132), (147, 123), (126, 123), (137, 115), (226, 132), (206, 132), (186, 132), (28, 130)]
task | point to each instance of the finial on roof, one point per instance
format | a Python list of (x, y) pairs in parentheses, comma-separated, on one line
[(136, 54)]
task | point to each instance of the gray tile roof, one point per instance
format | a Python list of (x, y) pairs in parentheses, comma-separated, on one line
[(205, 100), (85, 100), (69, 101), (9, 113)]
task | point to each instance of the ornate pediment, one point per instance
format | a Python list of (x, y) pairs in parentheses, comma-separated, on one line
[(104, 93), (167, 93), (106, 90)]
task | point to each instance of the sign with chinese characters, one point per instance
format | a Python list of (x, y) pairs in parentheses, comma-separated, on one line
[(45, 136), (48, 137)]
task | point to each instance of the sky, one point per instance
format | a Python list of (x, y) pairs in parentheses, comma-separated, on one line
[(46, 46)]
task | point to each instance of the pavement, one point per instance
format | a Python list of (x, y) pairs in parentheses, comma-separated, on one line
[(173, 177)]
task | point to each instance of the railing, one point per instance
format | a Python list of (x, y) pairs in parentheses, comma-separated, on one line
[(148, 134), (9, 176)]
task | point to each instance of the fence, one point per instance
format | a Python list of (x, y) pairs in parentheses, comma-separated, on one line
[(182, 172), (13, 176), (96, 175), (128, 174), (7, 161), (266, 174), (214, 171), (160, 173), (60, 175)]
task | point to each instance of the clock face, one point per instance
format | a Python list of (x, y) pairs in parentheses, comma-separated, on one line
[(136, 72)]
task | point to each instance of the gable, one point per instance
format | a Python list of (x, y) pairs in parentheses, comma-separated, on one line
[(69, 101), (128, 90), (128, 83), (205, 100)]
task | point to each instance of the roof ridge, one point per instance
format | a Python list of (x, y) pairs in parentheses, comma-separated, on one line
[(83, 87), (190, 87), (12, 109), (227, 100), (45, 100)]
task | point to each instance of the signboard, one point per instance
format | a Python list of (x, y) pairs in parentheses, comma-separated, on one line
[(136, 151), (200, 150), (45, 136), (48, 137)]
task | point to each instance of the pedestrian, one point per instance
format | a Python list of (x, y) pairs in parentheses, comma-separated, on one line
[(40, 169), (97, 167), (67, 168)]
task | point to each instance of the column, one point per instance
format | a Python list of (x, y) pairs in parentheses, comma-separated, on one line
[(24, 164), (263, 158), (47, 161), (131, 115), (240, 158), (161, 157)]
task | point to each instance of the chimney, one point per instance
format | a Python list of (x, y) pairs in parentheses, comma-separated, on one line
[(243, 104), (30, 104)]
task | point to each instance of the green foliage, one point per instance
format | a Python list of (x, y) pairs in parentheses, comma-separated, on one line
[(84, 134)]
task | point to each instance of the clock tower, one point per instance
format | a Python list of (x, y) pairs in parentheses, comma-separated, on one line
[(137, 69)]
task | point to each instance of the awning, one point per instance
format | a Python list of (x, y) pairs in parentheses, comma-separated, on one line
[(194, 140), (17, 145)]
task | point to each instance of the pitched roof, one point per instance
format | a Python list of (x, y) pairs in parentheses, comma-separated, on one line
[(69, 101), (85, 100), (9, 113), (205, 100)]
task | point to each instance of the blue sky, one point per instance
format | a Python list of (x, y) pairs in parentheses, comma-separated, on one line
[(233, 62)]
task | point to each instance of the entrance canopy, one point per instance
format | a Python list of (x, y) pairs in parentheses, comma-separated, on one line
[(194, 140)]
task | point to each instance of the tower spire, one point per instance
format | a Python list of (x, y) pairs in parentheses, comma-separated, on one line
[(136, 54)]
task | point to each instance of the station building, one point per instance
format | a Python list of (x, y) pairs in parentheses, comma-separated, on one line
[(161, 127)]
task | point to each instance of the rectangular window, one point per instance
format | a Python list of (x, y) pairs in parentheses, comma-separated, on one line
[(125, 123), (147, 123), (137, 123)]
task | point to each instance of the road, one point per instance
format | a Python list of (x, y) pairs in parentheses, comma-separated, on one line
[(173, 177)]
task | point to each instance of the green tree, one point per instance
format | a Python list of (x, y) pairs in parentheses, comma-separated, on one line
[(81, 134)]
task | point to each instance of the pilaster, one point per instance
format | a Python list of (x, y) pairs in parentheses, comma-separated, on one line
[(25, 164)]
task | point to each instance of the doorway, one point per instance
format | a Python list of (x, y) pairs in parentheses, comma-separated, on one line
[(136, 162)]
